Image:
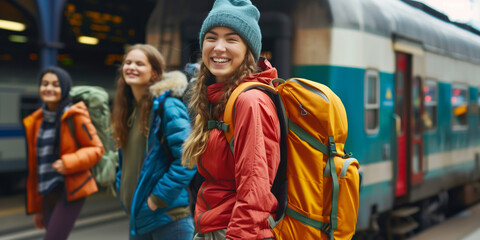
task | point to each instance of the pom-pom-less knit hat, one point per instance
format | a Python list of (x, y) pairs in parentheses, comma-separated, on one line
[(63, 78), (239, 15)]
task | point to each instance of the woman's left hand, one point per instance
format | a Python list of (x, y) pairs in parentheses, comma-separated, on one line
[(59, 166), (151, 204)]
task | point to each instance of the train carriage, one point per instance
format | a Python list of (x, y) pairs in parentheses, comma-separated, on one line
[(15, 102)]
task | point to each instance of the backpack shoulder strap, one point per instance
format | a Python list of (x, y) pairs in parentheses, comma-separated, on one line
[(229, 113), (71, 126), (157, 119)]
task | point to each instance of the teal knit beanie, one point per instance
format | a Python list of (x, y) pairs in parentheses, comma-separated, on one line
[(241, 16)]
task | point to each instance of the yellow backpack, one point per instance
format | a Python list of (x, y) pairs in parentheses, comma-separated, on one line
[(322, 180)]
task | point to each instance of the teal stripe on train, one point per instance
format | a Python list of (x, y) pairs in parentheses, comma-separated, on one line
[(348, 84)]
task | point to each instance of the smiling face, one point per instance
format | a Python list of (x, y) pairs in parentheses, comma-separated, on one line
[(137, 70), (223, 51), (50, 91)]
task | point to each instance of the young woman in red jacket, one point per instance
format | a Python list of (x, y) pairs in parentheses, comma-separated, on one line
[(59, 175), (235, 200)]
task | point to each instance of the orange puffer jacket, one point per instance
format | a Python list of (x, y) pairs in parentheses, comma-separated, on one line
[(79, 182)]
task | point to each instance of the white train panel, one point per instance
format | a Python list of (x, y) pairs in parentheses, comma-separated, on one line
[(351, 48)]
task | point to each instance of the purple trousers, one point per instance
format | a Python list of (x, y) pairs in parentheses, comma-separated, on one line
[(59, 215)]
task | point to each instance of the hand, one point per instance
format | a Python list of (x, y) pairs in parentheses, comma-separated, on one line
[(151, 204), (59, 166), (38, 221)]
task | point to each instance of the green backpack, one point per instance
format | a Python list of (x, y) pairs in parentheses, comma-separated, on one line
[(96, 100)]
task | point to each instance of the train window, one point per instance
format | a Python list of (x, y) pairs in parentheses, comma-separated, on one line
[(430, 91), (416, 165), (399, 99), (478, 106), (372, 101), (416, 105), (459, 102)]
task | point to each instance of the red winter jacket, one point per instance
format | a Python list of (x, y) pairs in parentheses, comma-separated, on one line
[(236, 193)]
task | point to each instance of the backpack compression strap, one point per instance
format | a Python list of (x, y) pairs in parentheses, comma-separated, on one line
[(333, 213)]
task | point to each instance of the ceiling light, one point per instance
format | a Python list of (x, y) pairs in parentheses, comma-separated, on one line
[(12, 26), (17, 38), (88, 40)]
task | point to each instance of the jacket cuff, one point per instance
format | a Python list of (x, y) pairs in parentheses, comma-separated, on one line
[(159, 202)]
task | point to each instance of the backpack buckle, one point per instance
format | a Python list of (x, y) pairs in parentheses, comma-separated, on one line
[(220, 125), (331, 146)]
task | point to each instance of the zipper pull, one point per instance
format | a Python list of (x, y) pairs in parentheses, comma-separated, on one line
[(303, 112)]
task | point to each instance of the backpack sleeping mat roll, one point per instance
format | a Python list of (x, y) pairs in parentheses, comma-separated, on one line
[(96, 100), (322, 180)]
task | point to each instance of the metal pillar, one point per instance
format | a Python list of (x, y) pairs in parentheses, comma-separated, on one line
[(49, 21)]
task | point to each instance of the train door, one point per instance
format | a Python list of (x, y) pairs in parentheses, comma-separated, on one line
[(402, 75), (408, 112)]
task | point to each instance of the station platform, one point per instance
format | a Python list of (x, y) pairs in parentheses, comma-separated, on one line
[(463, 226), (99, 208)]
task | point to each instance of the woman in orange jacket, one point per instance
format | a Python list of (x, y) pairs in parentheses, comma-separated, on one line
[(59, 178)]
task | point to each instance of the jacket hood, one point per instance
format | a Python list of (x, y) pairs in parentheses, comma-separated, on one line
[(268, 73), (175, 81)]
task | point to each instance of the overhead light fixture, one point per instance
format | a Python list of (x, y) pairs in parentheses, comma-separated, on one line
[(12, 26), (88, 40), (18, 38)]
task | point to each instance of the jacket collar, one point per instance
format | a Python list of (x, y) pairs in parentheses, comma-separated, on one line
[(175, 81), (77, 108)]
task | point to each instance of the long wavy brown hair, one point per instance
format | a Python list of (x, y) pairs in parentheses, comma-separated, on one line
[(123, 102), (196, 143)]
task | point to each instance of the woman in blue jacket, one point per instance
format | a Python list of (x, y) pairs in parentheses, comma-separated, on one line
[(150, 125)]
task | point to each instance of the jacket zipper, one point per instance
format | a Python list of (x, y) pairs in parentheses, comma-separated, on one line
[(148, 150), (79, 187), (28, 162), (86, 130), (201, 195), (208, 208)]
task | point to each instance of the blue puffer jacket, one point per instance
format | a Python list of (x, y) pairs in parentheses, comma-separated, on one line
[(159, 175)]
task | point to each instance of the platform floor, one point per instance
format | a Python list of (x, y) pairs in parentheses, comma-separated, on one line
[(463, 226)]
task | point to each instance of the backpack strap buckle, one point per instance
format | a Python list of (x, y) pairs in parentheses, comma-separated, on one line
[(331, 146), (220, 125)]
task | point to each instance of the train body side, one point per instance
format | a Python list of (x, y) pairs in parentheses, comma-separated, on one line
[(12, 141), (341, 58)]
